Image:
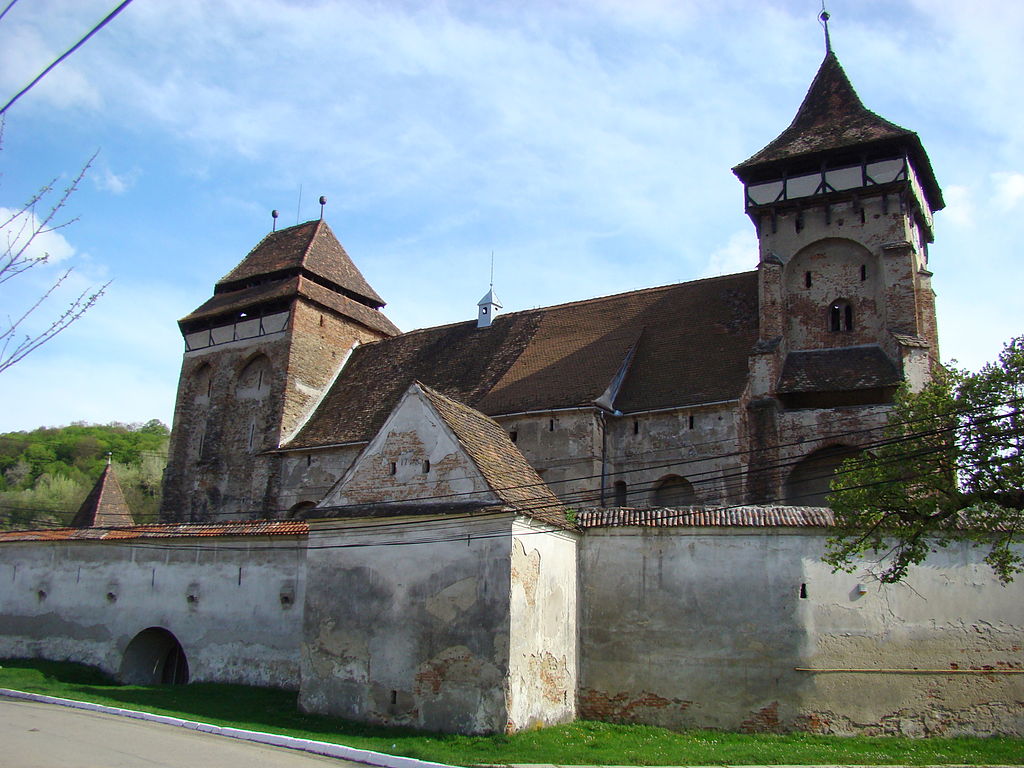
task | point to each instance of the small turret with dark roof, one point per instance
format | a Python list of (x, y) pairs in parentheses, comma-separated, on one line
[(105, 506)]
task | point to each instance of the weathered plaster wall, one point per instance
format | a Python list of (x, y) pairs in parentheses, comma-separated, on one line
[(409, 624), (413, 458), (233, 604), (701, 628), (542, 644)]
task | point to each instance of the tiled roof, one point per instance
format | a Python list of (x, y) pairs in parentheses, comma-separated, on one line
[(692, 344), (838, 370), (312, 247), (832, 118), (105, 505), (504, 468), (245, 298), (165, 531), (700, 517)]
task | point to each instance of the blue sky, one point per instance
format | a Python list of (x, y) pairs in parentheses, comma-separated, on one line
[(587, 144)]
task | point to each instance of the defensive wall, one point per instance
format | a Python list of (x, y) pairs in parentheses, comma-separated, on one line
[(685, 618)]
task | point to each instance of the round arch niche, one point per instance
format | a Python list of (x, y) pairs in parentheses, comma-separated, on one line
[(673, 491), (154, 657), (810, 482)]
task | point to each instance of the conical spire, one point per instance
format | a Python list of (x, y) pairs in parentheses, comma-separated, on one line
[(833, 121), (105, 506)]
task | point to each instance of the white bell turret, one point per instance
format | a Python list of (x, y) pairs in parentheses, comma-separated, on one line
[(488, 305)]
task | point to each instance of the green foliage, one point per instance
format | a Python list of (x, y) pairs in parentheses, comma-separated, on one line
[(580, 743), (45, 474), (950, 469)]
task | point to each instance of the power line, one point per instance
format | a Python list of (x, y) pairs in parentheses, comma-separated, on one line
[(109, 17)]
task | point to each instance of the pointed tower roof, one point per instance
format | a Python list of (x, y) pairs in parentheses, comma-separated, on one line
[(105, 506), (831, 121), (310, 249)]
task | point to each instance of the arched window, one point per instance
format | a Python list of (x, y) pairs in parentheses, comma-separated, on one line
[(810, 482), (298, 511), (840, 316), (673, 491)]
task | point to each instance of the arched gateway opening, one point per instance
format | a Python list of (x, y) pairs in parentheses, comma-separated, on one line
[(154, 657)]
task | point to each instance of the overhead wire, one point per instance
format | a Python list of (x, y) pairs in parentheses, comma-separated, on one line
[(106, 20)]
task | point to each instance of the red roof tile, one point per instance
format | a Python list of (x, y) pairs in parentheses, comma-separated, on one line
[(692, 344), (701, 517), (311, 247), (105, 506), (165, 531)]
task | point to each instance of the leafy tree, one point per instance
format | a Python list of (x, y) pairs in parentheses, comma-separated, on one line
[(950, 469)]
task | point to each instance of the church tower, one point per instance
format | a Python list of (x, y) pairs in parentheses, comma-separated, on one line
[(842, 201), (258, 356)]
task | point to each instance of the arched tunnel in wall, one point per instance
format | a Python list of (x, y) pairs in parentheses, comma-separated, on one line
[(154, 657)]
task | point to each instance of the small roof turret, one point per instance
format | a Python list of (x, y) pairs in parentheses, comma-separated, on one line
[(105, 506), (488, 305)]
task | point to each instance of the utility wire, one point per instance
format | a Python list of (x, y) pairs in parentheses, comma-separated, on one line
[(109, 17)]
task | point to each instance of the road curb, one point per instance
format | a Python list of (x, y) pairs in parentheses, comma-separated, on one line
[(366, 756)]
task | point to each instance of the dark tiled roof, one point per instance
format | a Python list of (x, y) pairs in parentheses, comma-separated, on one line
[(504, 468), (282, 290), (832, 118), (165, 531), (312, 247), (700, 517), (105, 506), (838, 370), (692, 344)]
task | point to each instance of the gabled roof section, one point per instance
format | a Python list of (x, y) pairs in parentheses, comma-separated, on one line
[(503, 466), (692, 342), (838, 370), (279, 294), (833, 119), (310, 249), (105, 506)]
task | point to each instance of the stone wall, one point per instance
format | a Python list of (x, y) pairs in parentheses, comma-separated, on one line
[(714, 628), (408, 624), (234, 605)]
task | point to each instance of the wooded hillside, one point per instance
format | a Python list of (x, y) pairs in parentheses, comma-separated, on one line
[(45, 474)]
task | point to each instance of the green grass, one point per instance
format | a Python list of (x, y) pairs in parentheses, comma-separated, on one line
[(580, 743)]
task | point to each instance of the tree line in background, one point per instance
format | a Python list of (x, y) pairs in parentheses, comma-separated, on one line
[(46, 474)]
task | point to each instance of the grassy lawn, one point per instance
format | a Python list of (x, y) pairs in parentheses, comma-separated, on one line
[(581, 743)]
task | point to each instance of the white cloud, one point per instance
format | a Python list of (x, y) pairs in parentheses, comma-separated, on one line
[(1009, 189), (116, 184), (21, 230), (959, 209), (739, 254)]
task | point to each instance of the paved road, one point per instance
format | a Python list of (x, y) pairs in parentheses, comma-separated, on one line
[(34, 735)]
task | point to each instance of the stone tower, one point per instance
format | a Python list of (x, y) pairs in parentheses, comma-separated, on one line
[(842, 201), (258, 356)]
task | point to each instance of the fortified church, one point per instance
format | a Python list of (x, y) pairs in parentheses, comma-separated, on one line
[(610, 509)]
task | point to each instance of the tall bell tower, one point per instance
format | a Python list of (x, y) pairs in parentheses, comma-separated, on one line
[(842, 201), (258, 356)]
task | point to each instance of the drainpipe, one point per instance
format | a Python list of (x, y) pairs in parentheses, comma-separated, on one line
[(604, 452)]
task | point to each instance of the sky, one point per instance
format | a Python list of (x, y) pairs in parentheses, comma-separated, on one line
[(586, 143)]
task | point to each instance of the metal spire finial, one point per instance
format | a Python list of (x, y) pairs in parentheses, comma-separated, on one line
[(110, 458), (824, 16), (323, 202), (492, 269), (274, 214)]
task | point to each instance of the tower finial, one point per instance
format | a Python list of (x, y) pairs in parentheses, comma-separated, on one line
[(323, 202), (274, 215), (492, 269), (824, 16), (110, 458)]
